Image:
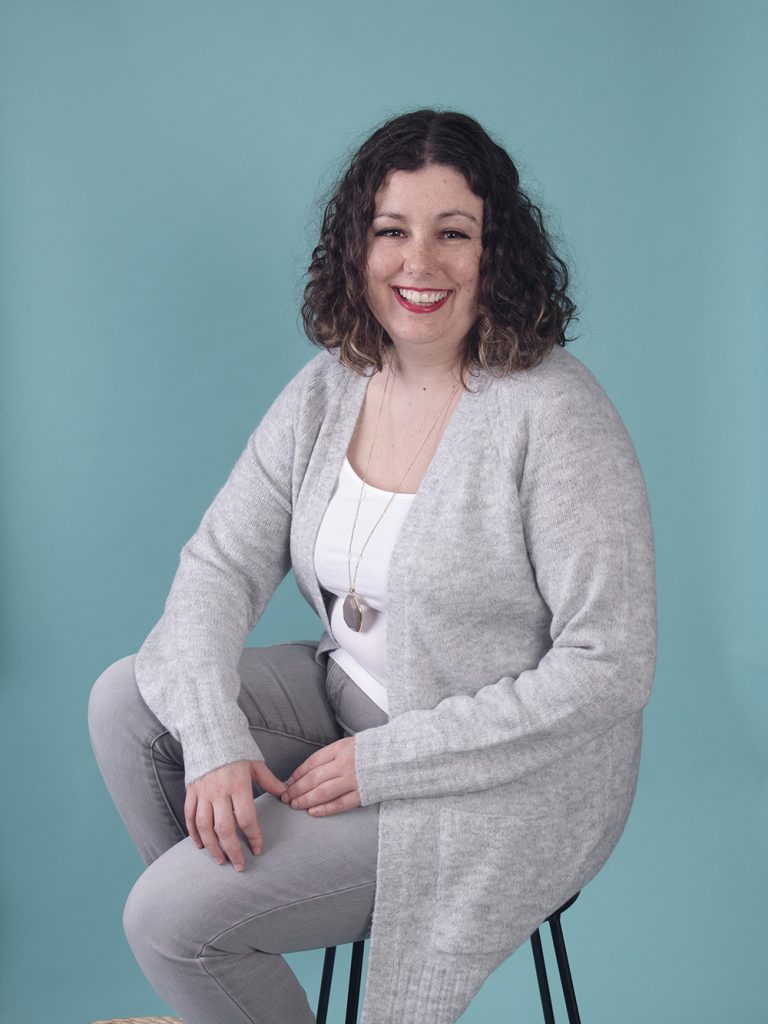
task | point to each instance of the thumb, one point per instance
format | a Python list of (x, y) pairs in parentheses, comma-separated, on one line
[(264, 778)]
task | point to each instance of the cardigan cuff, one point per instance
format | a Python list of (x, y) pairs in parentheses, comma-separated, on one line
[(204, 753), (371, 769)]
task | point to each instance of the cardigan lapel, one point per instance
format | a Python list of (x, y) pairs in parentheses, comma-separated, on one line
[(423, 516), (316, 488), (322, 472)]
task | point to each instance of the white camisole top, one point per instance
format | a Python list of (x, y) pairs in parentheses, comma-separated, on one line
[(363, 655)]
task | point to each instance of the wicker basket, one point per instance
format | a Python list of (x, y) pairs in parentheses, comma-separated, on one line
[(141, 1020)]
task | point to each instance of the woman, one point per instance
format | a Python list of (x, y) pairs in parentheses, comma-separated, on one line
[(462, 507)]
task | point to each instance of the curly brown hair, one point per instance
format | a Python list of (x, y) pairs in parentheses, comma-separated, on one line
[(524, 308)]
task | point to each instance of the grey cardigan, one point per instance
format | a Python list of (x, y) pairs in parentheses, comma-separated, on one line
[(521, 650)]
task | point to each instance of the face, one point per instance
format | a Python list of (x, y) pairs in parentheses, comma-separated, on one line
[(424, 248)]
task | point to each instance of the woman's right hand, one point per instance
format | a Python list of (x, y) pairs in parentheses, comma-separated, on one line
[(221, 801)]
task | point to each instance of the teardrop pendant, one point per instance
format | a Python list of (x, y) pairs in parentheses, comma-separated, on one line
[(353, 612)]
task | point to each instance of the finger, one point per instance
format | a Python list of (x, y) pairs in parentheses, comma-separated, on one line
[(324, 790), (302, 786), (266, 779), (340, 751), (190, 808), (204, 820), (314, 788), (245, 815), (320, 757), (342, 803), (225, 827)]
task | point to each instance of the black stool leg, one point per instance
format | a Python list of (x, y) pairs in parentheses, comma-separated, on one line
[(355, 974), (325, 985), (565, 971), (541, 977)]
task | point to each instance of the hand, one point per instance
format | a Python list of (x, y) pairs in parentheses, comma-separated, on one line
[(217, 803), (326, 782)]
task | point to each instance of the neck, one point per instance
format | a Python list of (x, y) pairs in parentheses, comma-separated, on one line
[(425, 369)]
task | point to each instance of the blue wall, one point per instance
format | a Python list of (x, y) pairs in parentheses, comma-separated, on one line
[(160, 169)]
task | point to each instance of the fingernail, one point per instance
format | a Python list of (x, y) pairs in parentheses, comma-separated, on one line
[(238, 867), (284, 798)]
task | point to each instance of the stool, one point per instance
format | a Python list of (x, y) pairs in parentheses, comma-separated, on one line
[(569, 996)]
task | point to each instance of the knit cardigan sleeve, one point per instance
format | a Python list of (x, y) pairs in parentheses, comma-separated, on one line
[(587, 528), (187, 668)]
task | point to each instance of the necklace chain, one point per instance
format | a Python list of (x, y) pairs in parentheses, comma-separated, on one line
[(353, 576)]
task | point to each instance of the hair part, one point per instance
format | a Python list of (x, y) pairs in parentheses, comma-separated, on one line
[(524, 306)]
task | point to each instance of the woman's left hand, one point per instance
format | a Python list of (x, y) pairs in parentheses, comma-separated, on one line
[(326, 782)]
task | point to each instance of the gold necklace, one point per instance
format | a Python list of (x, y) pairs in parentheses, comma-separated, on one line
[(353, 606)]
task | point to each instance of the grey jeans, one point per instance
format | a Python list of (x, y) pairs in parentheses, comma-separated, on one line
[(209, 938)]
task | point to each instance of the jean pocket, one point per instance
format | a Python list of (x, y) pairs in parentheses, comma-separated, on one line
[(496, 879)]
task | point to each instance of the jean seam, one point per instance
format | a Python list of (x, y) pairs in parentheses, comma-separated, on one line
[(307, 899), (229, 995), (288, 735)]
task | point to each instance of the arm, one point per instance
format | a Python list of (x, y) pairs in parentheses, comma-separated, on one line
[(186, 670), (588, 533)]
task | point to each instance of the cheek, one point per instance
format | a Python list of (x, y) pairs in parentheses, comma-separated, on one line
[(471, 277), (378, 267), (370, 289), (468, 265), (375, 288)]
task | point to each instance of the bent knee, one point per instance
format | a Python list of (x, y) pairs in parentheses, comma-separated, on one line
[(113, 697), (159, 919), (148, 923)]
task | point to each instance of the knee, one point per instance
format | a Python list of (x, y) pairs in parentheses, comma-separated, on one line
[(157, 920), (146, 924), (136, 915), (109, 707)]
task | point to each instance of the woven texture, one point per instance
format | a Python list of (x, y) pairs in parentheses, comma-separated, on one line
[(140, 1020)]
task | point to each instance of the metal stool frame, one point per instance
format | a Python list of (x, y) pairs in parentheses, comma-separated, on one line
[(558, 941)]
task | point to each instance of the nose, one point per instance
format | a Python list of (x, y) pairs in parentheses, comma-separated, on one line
[(419, 256)]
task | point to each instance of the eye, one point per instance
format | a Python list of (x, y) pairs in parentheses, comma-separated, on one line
[(388, 233), (454, 233)]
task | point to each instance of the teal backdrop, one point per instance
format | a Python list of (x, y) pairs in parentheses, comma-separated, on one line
[(162, 169)]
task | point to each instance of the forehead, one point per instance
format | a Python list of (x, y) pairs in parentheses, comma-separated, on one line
[(433, 188)]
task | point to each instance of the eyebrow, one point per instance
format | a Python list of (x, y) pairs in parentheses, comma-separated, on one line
[(440, 216)]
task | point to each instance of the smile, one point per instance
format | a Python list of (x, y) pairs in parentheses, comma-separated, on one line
[(419, 300)]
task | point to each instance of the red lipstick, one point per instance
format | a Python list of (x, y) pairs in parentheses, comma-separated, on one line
[(413, 307)]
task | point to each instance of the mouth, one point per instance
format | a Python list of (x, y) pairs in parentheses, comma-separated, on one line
[(421, 300)]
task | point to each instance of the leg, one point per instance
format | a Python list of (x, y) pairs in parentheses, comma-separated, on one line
[(541, 977), (139, 760), (355, 974), (208, 938), (563, 967), (284, 698), (325, 984)]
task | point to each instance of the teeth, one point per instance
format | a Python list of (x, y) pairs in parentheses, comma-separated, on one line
[(422, 298)]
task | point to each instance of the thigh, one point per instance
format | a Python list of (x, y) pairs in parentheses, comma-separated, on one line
[(312, 886), (295, 705), (283, 695), (353, 708), (284, 698)]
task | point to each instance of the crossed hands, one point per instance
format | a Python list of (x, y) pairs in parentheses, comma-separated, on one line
[(219, 803)]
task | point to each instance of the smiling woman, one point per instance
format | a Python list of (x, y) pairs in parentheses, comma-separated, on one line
[(523, 306), (424, 249), (457, 754)]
